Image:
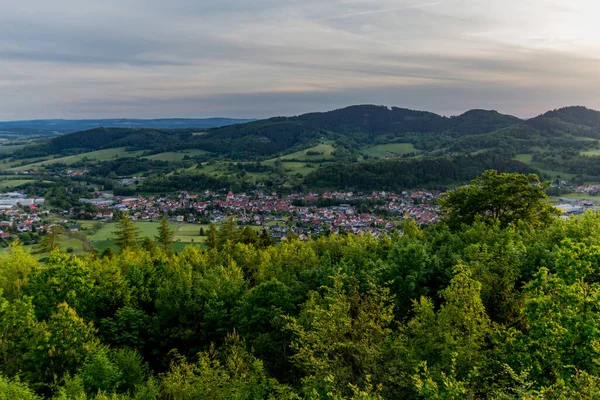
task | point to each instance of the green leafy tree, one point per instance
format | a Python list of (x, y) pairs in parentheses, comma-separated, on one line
[(165, 234), (228, 232), (230, 373), (451, 341), (133, 369), (248, 236), (265, 239), (60, 346), (259, 318), (99, 373), (411, 229), (65, 279), (211, 237), (127, 233), (128, 327), (51, 240), (15, 271), (339, 337), (15, 389), (563, 315), (148, 244), (17, 326), (504, 197)]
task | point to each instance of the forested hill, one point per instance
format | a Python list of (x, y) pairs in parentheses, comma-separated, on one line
[(562, 142), (396, 175), (382, 120), (353, 125), (576, 115), (60, 126), (578, 121)]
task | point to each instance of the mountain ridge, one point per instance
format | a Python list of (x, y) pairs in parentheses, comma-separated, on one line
[(351, 128), (64, 126)]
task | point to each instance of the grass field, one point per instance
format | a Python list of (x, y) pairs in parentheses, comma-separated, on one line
[(307, 164), (11, 149), (548, 173), (389, 149), (9, 163), (580, 196), (324, 148), (524, 158), (595, 152), (176, 156), (183, 232), (551, 174), (66, 243), (100, 155), (11, 183)]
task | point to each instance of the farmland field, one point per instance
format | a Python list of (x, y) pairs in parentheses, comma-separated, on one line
[(524, 158), (325, 149), (176, 155), (11, 183), (389, 149), (99, 155), (184, 232), (10, 149), (595, 152)]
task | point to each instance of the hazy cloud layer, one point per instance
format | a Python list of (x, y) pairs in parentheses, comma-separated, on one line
[(258, 58)]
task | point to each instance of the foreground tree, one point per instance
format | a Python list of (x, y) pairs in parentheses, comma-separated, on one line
[(211, 237), (339, 338), (60, 346), (52, 240), (504, 197), (126, 233), (165, 234)]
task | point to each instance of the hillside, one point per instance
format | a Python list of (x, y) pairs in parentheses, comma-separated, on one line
[(351, 126), (354, 126), (359, 147), (396, 175), (60, 126)]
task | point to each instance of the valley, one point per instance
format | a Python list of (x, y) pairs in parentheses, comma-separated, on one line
[(359, 150)]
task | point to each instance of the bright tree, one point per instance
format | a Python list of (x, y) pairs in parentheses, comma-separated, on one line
[(211, 236), (502, 197), (51, 240), (126, 233), (165, 234)]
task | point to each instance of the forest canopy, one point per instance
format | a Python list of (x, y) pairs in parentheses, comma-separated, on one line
[(481, 309)]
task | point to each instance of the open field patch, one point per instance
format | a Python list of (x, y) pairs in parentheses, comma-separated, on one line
[(389, 149), (99, 155), (176, 155), (320, 152)]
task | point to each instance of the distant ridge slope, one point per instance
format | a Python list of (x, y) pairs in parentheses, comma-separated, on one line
[(361, 124), (58, 126), (351, 128)]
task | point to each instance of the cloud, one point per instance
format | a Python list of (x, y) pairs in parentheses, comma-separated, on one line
[(259, 58)]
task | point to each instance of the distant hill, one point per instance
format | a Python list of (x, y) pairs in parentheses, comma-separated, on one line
[(351, 126), (355, 132), (396, 175), (363, 147), (60, 126), (355, 125)]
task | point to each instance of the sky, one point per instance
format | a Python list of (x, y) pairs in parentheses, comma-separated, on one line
[(260, 58)]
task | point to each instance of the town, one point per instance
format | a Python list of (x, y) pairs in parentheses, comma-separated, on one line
[(303, 215)]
